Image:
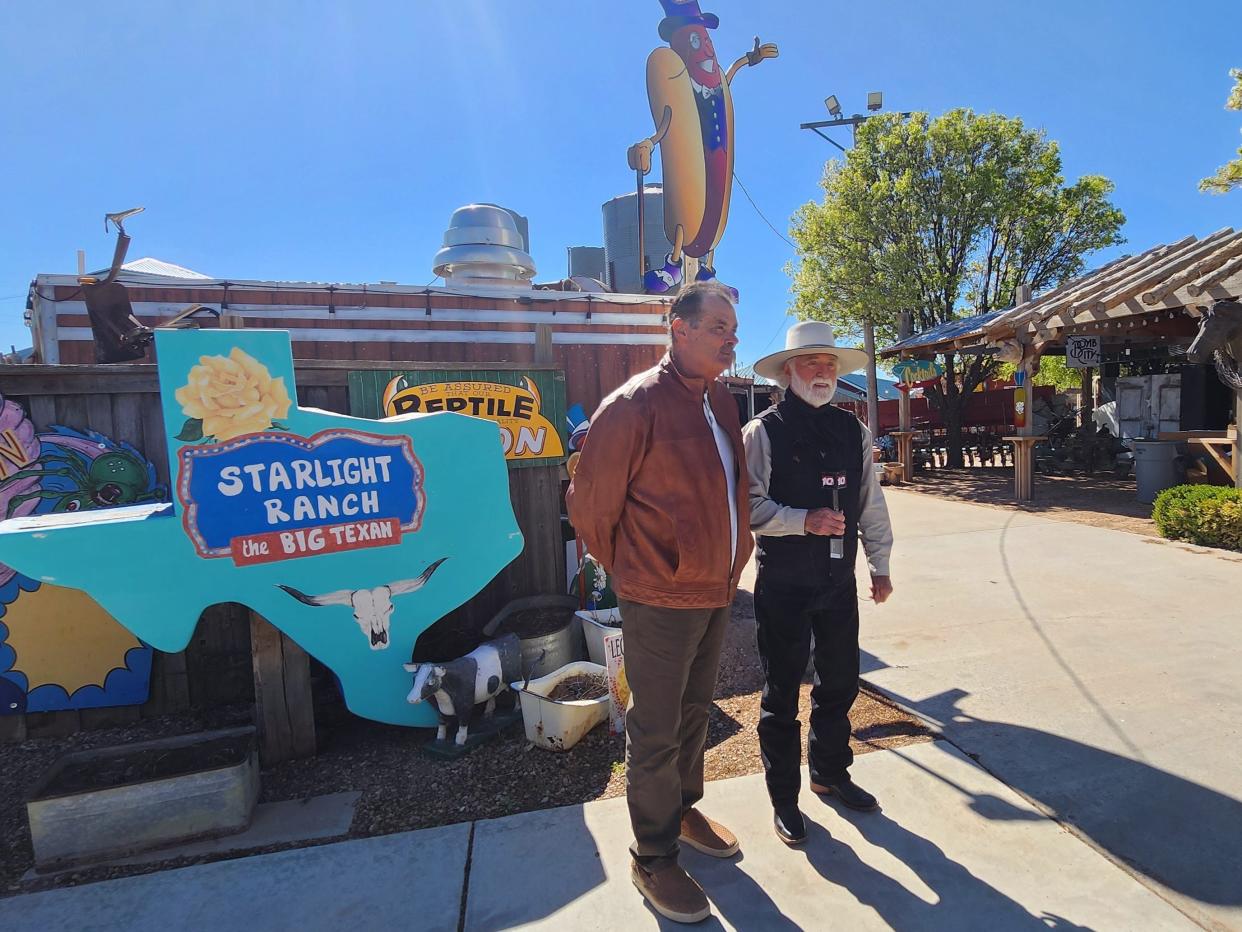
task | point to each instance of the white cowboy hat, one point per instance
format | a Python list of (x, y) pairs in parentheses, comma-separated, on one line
[(807, 338)]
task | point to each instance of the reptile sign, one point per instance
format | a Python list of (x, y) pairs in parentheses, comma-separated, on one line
[(526, 433)]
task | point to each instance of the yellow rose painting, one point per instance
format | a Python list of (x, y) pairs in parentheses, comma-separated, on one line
[(227, 396)]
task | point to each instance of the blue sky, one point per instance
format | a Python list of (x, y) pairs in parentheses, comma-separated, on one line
[(330, 142)]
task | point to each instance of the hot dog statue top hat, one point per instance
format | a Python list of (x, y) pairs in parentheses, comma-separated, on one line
[(680, 13)]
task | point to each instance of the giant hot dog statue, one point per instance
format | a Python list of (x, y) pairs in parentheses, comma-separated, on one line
[(693, 113)]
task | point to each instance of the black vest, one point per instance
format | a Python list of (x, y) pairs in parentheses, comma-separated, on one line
[(811, 448)]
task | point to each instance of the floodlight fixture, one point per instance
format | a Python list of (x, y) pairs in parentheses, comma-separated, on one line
[(833, 105), (875, 100)]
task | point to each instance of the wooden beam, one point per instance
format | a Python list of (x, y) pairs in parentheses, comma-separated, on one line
[(142, 379), (1048, 303), (1228, 288), (1086, 296), (1194, 271), (284, 711), (1237, 440), (1210, 448), (1195, 289), (543, 344), (1152, 273), (1092, 287)]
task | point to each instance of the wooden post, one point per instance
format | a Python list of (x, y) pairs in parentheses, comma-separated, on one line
[(543, 344), (905, 434), (873, 384), (1024, 442), (642, 222), (1088, 396), (284, 712), (1237, 440)]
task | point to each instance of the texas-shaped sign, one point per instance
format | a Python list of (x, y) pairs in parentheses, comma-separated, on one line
[(352, 536)]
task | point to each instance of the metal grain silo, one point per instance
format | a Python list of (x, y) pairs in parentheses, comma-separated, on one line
[(621, 238), (587, 262)]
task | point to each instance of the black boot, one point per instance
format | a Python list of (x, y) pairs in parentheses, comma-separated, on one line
[(789, 825), (851, 794)]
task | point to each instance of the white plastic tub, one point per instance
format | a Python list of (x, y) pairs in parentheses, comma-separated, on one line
[(558, 726), (595, 629)]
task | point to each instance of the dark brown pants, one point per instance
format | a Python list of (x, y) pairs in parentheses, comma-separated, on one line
[(671, 659)]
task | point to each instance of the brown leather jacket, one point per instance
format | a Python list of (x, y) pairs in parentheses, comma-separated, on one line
[(649, 496)]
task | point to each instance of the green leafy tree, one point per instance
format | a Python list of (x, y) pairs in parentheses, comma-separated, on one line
[(1052, 371), (944, 217), (1229, 175)]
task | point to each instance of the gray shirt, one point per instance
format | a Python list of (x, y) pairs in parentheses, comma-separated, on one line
[(772, 519)]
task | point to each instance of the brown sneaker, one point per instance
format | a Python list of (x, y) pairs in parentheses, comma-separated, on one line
[(711, 838), (672, 893)]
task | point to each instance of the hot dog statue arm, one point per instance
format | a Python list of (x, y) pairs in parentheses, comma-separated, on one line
[(639, 154), (752, 58)]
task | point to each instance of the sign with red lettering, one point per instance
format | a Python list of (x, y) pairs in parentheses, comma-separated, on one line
[(276, 496), (306, 542), (528, 408)]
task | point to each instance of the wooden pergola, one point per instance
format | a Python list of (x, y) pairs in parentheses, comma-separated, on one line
[(1142, 302)]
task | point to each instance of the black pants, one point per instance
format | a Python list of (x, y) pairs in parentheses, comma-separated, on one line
[(791, 622)]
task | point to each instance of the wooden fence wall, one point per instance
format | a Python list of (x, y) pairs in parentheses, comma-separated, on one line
[(123, 402)]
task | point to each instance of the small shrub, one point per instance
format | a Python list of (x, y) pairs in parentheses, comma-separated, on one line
[(1207, 515)]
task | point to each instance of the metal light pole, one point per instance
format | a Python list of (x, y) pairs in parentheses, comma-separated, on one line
[(875, 101)]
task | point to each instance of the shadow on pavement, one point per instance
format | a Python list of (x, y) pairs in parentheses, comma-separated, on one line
[(963, 901), (736, 897), (1173, 830)]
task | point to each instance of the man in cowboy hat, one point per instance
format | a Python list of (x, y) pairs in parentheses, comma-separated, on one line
[(659, 497), (813, 492)]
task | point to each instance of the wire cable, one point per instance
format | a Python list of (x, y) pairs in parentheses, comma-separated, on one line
[(784, 319), (760, 212)]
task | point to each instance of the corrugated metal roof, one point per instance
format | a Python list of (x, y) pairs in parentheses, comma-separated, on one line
[(853, 383), (748, 372), (953, 330), (148, 265), (886, 389)]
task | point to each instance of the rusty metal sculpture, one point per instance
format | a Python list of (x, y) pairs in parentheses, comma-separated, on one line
[(119, 335), (1220, 340)]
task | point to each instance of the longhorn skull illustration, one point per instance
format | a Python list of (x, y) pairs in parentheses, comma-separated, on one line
[(372, 607)]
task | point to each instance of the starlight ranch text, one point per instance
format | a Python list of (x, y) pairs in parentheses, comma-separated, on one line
[(269, 478)]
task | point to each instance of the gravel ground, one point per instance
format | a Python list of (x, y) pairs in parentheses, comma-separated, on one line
[(1101, 500), (403, 789)]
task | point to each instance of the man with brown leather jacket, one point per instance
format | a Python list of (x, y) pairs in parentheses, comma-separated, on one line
[(660, 498)]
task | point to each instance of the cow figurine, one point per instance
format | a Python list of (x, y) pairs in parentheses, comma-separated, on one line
[(457, 686)]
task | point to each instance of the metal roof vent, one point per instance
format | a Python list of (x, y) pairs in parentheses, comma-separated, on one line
[(483, 245)]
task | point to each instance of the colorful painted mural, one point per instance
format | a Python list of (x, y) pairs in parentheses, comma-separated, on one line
[(692, 108), (61, 650), (323, 524), (58, 648)]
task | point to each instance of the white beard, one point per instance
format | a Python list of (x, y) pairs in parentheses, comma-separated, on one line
[(815, 397)]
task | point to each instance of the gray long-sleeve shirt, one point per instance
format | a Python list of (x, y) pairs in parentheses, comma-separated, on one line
[(771, 518)]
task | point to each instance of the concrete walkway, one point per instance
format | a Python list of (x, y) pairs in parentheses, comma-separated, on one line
[(953, 849), (1094, 671)]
